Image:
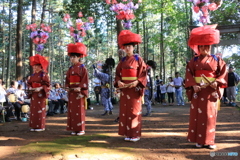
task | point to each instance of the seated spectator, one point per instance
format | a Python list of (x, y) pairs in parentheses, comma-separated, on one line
[(59, 95), (13, 87), (15, 102), (3, 103), (23, 82), (53, 103), (21, 95), (64, 96)]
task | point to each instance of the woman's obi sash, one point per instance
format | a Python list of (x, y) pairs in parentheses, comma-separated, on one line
[(209, 74), (129, 74), (75, 79), (35, 85)]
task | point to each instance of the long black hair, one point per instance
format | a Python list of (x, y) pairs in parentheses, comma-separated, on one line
[(152, 63)]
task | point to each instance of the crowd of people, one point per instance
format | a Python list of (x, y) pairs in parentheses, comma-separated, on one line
[(14, 97)]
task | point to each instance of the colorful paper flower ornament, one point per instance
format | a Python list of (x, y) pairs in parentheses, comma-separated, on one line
[(78, 30), (39, 36), (124, 11), (203, 6)]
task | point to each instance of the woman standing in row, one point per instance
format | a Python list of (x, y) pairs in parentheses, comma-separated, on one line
[(206, 77), (77, 86), (131, 79), (38, 83)]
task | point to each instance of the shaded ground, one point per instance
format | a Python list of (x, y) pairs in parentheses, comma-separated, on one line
[(163, 137)]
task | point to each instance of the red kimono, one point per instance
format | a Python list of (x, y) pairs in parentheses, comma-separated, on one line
[(77, 76), (38, 99), (128, 70), (203, 110)]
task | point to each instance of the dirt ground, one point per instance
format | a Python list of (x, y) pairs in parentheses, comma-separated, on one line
[(163, 137)]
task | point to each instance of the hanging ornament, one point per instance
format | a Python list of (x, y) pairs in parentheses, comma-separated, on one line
[(39, 35)]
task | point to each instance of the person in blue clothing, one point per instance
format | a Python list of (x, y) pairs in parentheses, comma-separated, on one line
[(105, 78), (52, 103), (178, 83), (59, 94), (158, 91), (148, 93)]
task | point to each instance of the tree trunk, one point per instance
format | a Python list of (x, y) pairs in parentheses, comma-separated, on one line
[(51, 49), (162, 67), (24, 52), (10, 44), (138, 47), (107, 38), (43, 11), (19, 65), (190, 22), (2, 46), (147, 45), (144, 40), (33, 20), (119, 28)]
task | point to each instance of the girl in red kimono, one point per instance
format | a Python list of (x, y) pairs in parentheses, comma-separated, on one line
[(38, 84), (77, 86), (204, 81), (131, 79)]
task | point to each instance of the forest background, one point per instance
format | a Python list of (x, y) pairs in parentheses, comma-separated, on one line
[(163, 24)]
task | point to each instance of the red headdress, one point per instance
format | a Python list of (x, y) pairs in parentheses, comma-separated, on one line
[(126, 37), (78, 47), (38, 59), (205, 35)]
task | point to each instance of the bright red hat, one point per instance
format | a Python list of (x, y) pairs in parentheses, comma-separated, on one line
[(205, 35), (38, 59), (79, 48), (126, 37)]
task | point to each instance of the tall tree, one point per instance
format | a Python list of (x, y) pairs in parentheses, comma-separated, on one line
[(10, 43), (33, 20), (43, 11), (2, 42), (19, 64), (162, 68)]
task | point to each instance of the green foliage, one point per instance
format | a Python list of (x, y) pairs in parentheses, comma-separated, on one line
[(102, 40), (233, 60), (227, 14)]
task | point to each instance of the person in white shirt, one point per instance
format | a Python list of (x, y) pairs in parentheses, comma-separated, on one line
[(178, 83), (17, 103), (13, 88), (8, 108), (21, 96), (163, 89), (170, 91), (3, 94)]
